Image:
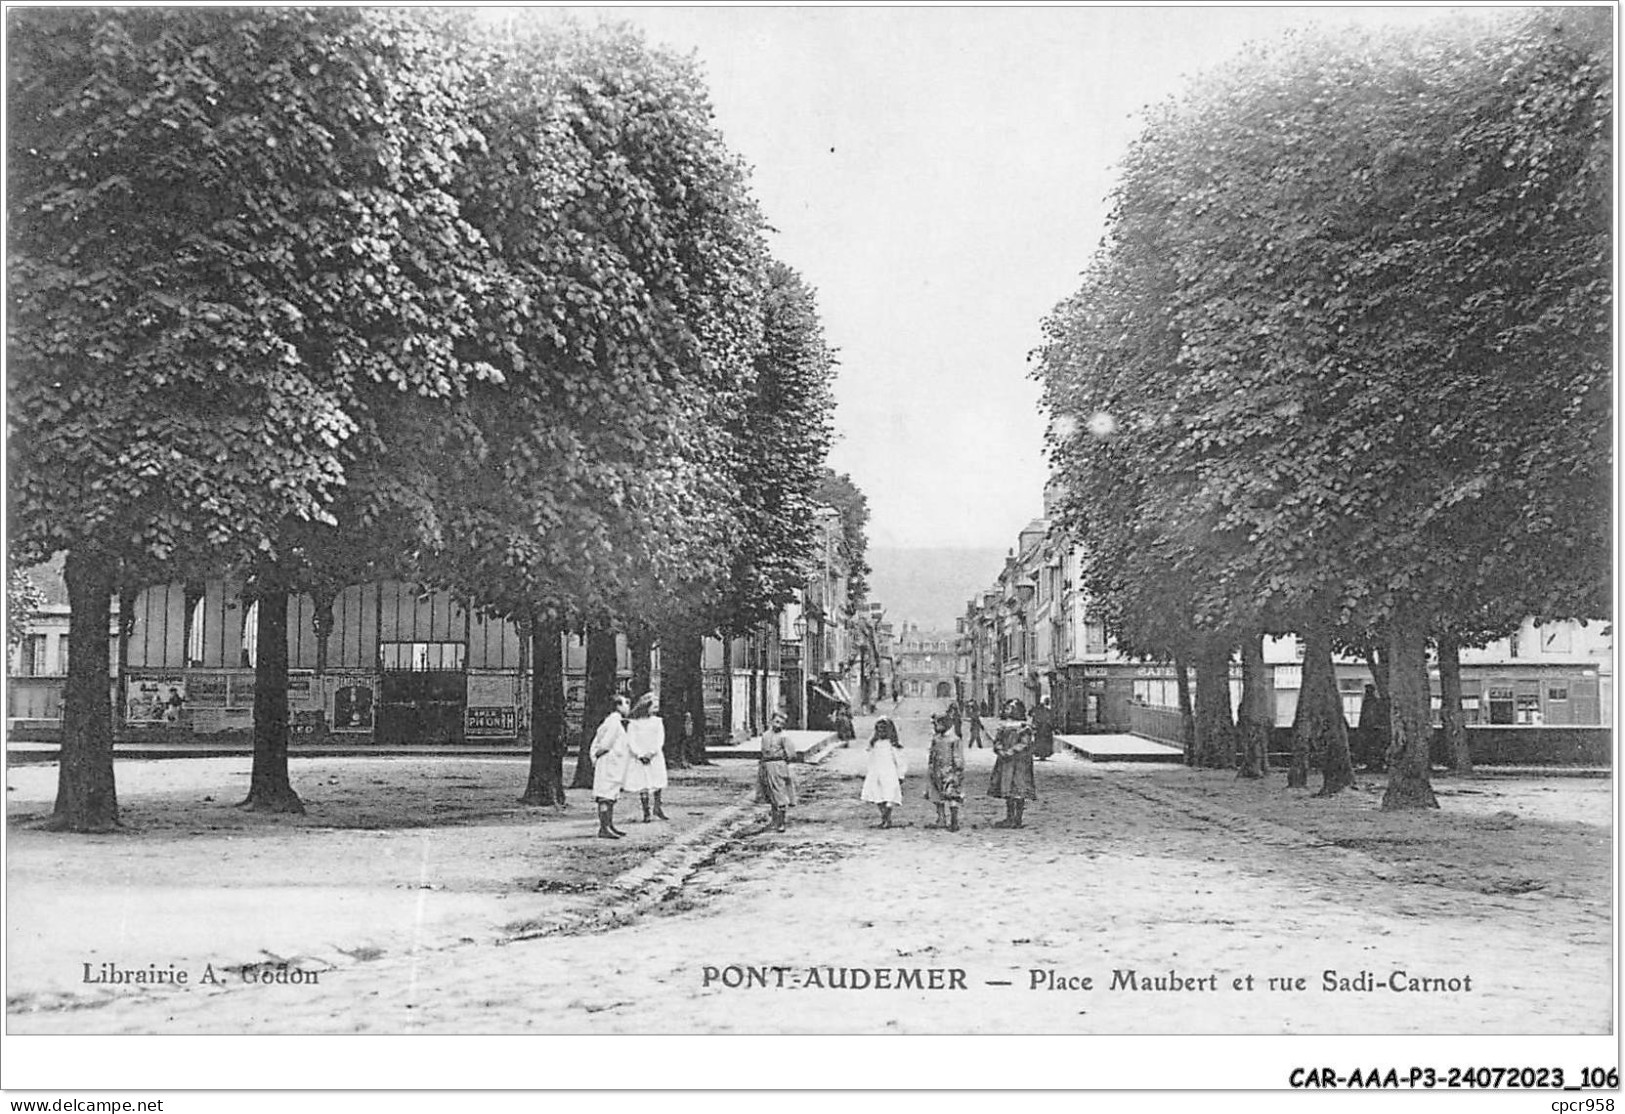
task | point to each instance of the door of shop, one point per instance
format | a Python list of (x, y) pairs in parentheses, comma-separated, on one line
[(423, 692)]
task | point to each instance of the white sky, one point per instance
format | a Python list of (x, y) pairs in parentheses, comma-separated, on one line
[(939, 175)]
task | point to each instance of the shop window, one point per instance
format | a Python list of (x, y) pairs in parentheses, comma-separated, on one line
[(1501, 699), (1528, 702), (1469, 709)]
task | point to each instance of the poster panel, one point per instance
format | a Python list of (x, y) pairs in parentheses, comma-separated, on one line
[(155, 701), (350, 702)]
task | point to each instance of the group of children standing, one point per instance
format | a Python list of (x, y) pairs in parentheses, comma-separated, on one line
[(628, 755), (1012, 777)]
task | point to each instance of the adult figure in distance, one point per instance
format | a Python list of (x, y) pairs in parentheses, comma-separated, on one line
[(1043, 730)]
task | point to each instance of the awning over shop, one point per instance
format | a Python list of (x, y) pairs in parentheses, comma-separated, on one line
[(836, 692)]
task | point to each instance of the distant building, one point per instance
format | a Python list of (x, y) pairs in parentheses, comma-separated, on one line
[(927, 664)]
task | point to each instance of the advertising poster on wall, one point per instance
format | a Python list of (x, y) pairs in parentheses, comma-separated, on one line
[(206, 690), (155, 701), (351, 704)]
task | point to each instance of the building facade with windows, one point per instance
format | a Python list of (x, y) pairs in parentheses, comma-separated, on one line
[(387, 663), (1034, 633), (927, 664)]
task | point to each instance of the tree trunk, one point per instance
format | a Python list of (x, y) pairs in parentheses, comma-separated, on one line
[(673, 692), (1411, 728), (1319, 729), (1215, 727), (728, 685), (545, 785), (1187, 712), (694, 648), (1255, 723), (1450, 714), (269, 789), (126, 626), (752, 658), (600, 698), (86, 799), (641, 644)]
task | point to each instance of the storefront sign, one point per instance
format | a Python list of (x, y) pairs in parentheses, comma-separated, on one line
[(491, 722)]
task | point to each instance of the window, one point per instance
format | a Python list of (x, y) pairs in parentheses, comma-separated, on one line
[(31, 656), (251, 635), (62, 654), (421, 657), (1557, 694), (194, 634), (1501, 704), (1094, 636), (1528, 702)]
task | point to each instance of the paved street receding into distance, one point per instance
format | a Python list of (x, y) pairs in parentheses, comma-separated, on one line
[(1138, 900)]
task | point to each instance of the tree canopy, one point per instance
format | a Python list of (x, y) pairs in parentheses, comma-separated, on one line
[(318, 294), (1345, 349)]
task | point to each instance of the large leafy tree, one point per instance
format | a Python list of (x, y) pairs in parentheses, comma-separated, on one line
[(1405, 329), (781, 437), (1383, 266), (630, 263), (223, 224)]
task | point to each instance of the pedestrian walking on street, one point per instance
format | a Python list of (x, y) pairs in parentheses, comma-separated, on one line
[(953, 718), (774, 784), (945, 772), (609, 758), (1043, 731), (1013, 764), (883, 784), (975, 726), (646, 741)]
